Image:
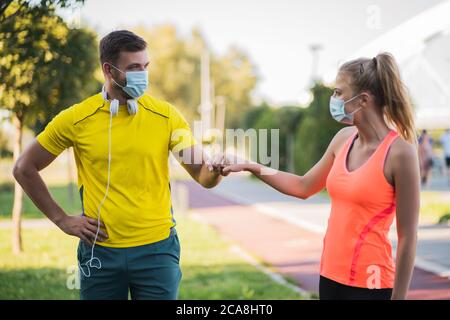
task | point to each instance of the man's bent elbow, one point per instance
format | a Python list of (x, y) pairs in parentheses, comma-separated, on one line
[(20, 170), (209, 185), (17, 171)]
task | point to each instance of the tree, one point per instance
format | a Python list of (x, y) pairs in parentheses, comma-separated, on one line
[(44, 66), (251, 116), (235, 78), (20, 7), (286, 119), (315, 130), (74, 76), (175, 72), (174, 67), (289, 118), (5, 152)]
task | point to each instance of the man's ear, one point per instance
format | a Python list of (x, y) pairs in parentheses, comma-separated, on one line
[(106, 67)]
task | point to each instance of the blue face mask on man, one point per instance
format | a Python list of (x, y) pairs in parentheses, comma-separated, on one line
[(136, 82), (337, 110)]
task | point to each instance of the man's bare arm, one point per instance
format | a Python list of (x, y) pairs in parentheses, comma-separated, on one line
[(26, 172), (202, 169)]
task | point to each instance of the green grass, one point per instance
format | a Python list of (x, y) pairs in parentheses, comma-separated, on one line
[(40, 272), (210, 269), (445, 218), (59, 192)]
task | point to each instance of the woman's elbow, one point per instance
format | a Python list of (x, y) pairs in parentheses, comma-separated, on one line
[(407, 237), (302, 190), (304, 196), (300, 194)]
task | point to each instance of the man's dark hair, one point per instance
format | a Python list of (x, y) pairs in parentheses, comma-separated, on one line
[(122, 40)]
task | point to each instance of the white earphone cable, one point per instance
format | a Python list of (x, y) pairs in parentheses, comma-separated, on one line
[(89, 262)]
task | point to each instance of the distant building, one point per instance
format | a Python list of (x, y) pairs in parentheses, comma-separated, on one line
[(421, 46)]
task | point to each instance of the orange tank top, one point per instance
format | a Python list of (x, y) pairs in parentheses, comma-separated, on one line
[(356, 249)]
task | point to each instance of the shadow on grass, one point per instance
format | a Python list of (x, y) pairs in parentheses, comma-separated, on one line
[(38, 284), (209, 283)]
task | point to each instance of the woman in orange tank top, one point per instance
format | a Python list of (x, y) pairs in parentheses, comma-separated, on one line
[(371, 172)]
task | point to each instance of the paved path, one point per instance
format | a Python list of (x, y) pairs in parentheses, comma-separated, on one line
[(29, 223), (287, 233)]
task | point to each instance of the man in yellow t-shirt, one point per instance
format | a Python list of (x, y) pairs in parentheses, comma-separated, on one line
[(121, 140)]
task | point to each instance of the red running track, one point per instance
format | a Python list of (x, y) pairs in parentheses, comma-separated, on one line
[(291, 250)]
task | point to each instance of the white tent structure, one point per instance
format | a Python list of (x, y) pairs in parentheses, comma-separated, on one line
[(421, 46)]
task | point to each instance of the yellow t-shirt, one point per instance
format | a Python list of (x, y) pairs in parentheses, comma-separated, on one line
[(138, 209)]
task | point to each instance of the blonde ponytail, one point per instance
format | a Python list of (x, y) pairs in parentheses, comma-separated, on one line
[(398, 107), (381, 77)]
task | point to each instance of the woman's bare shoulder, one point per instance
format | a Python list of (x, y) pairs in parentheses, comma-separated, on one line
[(402, 149), (402, 154), (346, 132), (341, 137)]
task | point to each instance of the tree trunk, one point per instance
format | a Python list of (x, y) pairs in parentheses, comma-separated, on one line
[(18, 192), (290, 153)]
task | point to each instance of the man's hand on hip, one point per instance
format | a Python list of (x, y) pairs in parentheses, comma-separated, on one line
[(83, 227)]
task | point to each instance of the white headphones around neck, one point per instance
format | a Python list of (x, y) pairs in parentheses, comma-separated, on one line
[(132, 105)]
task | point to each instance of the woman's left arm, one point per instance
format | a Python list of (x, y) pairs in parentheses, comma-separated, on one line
[(407, 192)]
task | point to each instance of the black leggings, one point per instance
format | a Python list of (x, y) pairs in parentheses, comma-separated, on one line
[(332, 290)]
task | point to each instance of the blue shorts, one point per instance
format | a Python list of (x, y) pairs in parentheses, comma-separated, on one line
[(150, 271)]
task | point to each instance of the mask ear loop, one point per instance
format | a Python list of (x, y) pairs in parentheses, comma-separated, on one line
[(348, 117), (95, 262), (113, 78), (355, 111)]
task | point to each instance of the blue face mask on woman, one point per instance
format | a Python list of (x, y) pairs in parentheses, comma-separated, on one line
[(137, 82), (337, 110)]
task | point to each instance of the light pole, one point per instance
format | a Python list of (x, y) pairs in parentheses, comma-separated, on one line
[(205, 93), (315, 48)]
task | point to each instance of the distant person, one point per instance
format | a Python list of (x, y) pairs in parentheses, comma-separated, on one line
[(121, 139), (425, 156), (445, 140), (371, 172)]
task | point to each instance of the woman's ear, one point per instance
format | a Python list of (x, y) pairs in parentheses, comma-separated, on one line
[(365, 99)]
